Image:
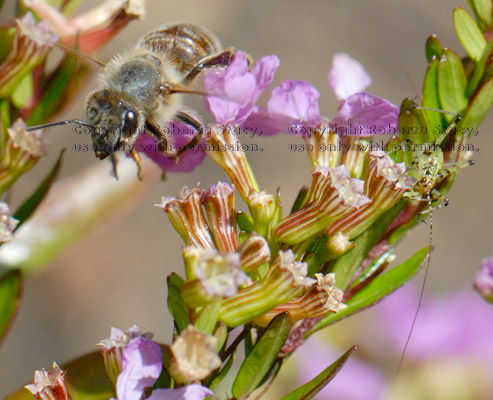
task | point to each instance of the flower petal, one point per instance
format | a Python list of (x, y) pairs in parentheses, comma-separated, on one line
[(235, 90), (179, 136), (365, 115), (347, 76), (189, 392), (141, 366)]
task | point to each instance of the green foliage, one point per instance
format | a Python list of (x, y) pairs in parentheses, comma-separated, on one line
[(30, 205), (10, 297), (262, 357), (176, 305), (310, 389), (377, 290)]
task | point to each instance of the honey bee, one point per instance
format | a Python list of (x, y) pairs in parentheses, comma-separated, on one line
[(142, 88)]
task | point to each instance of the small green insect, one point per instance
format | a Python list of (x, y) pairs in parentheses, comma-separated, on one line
[(429, 169), (427, 166)]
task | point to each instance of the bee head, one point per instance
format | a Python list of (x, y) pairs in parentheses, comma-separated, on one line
[(114, 121)]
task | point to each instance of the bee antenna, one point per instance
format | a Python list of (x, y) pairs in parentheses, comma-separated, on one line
[(78, 53), (66, 122)]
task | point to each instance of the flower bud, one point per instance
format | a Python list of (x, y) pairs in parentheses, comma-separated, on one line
[(286, 279), (322, 298), (333, 195)]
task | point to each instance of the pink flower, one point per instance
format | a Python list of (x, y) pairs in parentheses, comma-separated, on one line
[(483, 282), (359, 111), (347, 76), (141, 366), (367, 115), (190, 392), (316, 355), (178, 135), (455, 325), (292, 103), (235, 91)]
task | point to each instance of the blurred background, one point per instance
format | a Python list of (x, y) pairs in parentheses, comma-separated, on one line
[(116, 276)]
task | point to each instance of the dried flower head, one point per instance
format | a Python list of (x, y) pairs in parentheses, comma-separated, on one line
[(49, 385), (194, 356), (217, 276)]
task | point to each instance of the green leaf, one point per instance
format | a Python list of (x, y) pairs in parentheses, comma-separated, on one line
[(54, 92), (412, 125), (206, 322), (23, 92), (85, 377), (469, 33), (300, 198), (221, 333), (7, 39), (433, 48), (10, 298), (479, 70), (433, 119), (176, 305), (262, 356), (245, 222), (310, 389), (452, 82), (376, 290), (483, 11), (6, 123), (346, 266), (164, 380), (480, 106), (29, 206), (222, 373)]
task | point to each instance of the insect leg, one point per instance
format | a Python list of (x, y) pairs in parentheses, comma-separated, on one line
[(161, 137), (221, 60), (195, 124), (138, 160)]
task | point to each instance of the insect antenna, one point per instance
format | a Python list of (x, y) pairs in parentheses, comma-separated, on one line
[(423, 285), (80, 54), (66, 122)]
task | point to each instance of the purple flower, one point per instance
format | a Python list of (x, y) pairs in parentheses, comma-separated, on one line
[(315, 355), (359, 112), (179, 135), (367, 115), (459, 325), (235, 91), (347, 76), (141, 366), (190, 392), (483, 282), (292, 103)]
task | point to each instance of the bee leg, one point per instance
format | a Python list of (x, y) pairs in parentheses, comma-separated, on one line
[(195, 124), (163, 142), (136, 157), (221, 60)]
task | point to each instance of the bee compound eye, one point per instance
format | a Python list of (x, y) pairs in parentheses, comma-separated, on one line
[(129, 123), (92, 112)]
